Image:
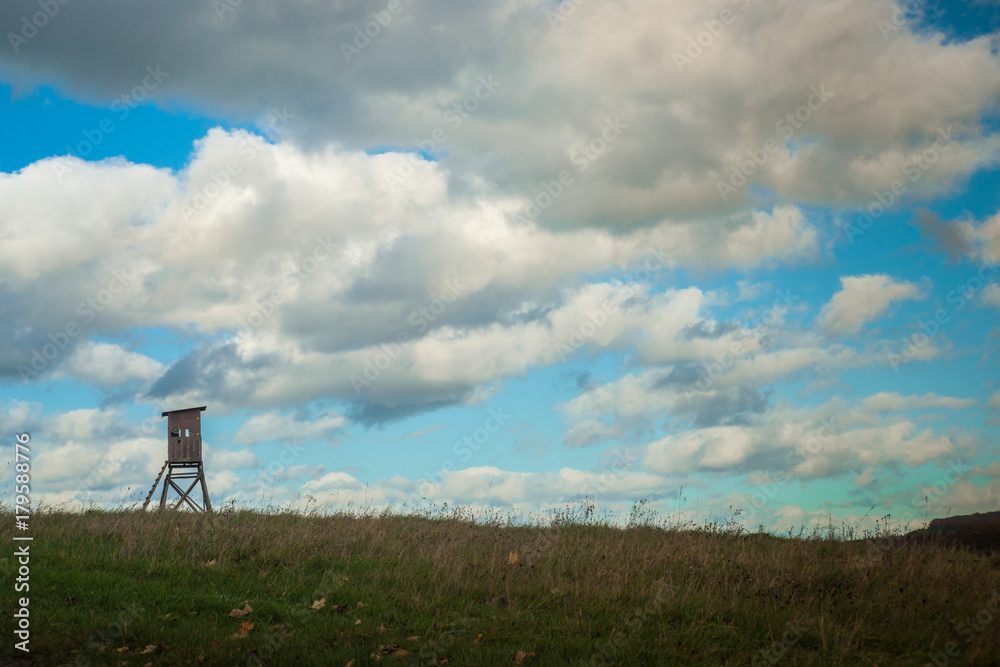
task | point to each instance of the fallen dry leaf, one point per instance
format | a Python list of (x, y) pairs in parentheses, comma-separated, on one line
[(350, 664), (149, 649), (240, 613), (122, 649), (281, 626), (521, 656), (391, 649), (244, 629), (381, 627), (319, 604), (360, 605), (512, 558), (211, 562), (357, 622)]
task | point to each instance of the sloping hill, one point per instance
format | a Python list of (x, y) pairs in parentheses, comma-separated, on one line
[(978, 531)]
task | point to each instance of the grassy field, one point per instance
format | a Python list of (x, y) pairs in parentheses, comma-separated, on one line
[(131, 588)]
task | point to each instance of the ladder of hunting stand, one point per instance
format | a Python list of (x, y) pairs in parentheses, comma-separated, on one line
[(154, 484)]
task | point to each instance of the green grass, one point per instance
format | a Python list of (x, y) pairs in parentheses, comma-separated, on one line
[(443, 589)]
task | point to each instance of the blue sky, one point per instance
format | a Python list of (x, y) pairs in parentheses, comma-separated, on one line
[(547, 254)]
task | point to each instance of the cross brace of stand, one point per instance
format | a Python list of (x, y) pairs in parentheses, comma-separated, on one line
[(186, 470)]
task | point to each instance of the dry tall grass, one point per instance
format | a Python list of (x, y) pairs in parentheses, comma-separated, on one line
[(447, 588)]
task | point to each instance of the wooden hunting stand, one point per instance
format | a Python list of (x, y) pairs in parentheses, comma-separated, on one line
[(183, 458)]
